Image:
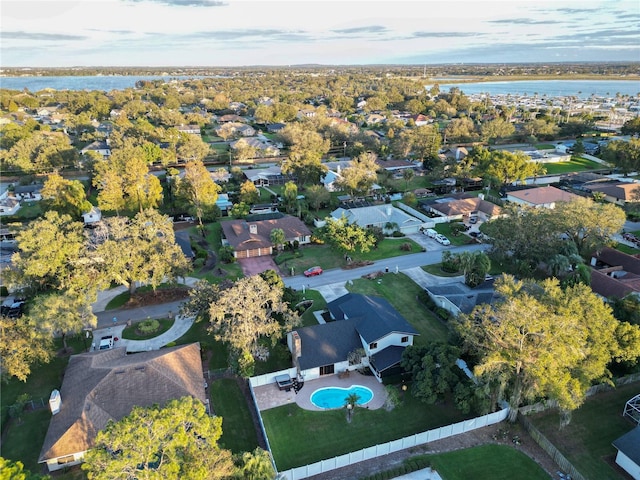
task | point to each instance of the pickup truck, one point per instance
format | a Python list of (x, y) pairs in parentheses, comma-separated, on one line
[(106, 342)]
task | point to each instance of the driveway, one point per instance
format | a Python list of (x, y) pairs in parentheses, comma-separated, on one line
[(255, 265)]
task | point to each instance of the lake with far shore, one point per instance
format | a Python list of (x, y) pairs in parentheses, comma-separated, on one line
[(550, 88)]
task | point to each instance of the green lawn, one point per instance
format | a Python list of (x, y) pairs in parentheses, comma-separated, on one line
[(586, 441), (577, 164), (24, 440), (402, 293), (319, 303), (228, 402), (131, 333), (435, 269), (495, 462), (299, 437)]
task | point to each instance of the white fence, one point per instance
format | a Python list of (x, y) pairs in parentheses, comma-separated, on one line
[(393, 446), (269, 378)]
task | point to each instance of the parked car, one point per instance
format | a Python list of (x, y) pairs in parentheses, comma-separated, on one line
[(13, 307), (106, 342), (313, 271), (473, 220), (442, 239)]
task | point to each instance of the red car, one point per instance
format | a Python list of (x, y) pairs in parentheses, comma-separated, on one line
[(313, 271)]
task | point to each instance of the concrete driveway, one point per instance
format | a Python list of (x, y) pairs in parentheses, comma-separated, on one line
[(255, 265)]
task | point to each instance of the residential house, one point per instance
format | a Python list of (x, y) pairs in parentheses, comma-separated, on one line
[(619, 193), (104, 385), (237, 106), (457, 298), (375, 118), (540, 197), (9, 205), (28, 192), (93, 216), (420, 119), (263, 149), (223, 203), (275, 127), (252, 238), (460, 206), (236, 129), (359, 322), (263, 177), (382, 216), (628, 456), (395, 166), (231, 117), (615, 273), (99, 146), (306, 113), (190, 129)]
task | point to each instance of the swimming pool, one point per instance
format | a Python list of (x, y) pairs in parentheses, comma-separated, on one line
[(334, 397)]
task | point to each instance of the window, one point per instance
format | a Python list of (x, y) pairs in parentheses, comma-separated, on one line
[(67, 459), (404, 339), (326, 370), (373, 346)]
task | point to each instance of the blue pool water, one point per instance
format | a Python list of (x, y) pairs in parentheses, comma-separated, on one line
[(334, 397)]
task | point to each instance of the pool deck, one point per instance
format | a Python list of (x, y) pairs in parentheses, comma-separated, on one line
[(268, 396)]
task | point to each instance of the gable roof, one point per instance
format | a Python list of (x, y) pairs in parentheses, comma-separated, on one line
[(465, 206), (464, 297), (626, 276), (240, 238), (612, 257), (327, 343), (105, 385), (619, 190), (629, 445), (543, 195), (376, 215), (375, 316)]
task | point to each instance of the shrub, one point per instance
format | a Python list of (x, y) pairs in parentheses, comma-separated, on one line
[(226, 254), (442, 313), (406, 247), (148, 326), (398, 234), (198, 263), (171, 344)]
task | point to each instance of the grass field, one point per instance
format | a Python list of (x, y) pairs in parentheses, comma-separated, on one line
[(299, 437), (402, 292), (238, 432), (577, 164), (586, 441), (495, 462)]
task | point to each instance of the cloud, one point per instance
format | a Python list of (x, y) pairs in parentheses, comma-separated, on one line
[(368, 29), (574, 11), (38, 36), (445, 34), (524, 21), (184, 3)]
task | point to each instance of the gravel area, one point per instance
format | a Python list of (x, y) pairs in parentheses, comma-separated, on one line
[(502, 433)]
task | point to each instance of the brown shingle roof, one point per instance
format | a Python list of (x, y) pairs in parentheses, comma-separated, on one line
[(106, 385), (621, 191), (237, 232), (615, 258), (543, 195), (466, 206)]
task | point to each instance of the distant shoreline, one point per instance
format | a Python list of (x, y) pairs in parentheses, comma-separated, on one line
[(530, 78)]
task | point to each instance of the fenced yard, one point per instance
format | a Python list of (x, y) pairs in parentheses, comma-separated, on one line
[(586, 441)]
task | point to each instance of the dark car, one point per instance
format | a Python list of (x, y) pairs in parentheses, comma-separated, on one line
[(313, 271)]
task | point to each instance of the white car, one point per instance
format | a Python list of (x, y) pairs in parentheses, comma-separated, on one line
[(442, 239)]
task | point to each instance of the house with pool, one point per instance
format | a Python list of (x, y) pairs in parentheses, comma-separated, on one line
[(363, 331)]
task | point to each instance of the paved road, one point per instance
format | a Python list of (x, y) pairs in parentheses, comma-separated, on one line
[(105, 318)]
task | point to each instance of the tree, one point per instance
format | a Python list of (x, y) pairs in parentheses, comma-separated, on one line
[(433, 370), (631, 127), (498, 128), (198, 191), (50, 254), (247, 311), (249, 193), (460, 130), (256, 465), (541, 340), (350, 403), (475, 266), (201, 295), (10, 470), (425, 141), (305, 154), (347, 238), (63, 314), (359, 177), (141, 250), (277, 238), (290, 196), (124, 181), (506, 166), (317, 196), (407, 175), (624, 155), (23, 344), (64, 196), (177, 441)]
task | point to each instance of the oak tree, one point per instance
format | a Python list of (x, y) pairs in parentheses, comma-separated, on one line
[(23, 344), (197, 190)]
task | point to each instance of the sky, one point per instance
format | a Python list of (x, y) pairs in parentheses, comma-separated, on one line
[(65, 33)]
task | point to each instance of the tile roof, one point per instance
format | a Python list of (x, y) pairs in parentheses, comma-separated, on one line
[(240, 238), (105, 385)]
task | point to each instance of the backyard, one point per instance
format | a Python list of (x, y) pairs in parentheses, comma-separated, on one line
[(576, 164), (586, 441)]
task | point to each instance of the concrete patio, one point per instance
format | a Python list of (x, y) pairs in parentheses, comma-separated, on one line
[(268, 396)]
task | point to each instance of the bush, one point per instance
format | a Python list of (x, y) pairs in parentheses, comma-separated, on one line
[(170, 344), (442, 313), (398, 234), (198, 263), (148, 326), (406, 247)]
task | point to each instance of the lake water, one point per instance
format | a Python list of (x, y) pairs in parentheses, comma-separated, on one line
[(551, 88), (105, 83)]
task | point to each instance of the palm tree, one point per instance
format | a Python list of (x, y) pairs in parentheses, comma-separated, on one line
[(351, 402), (407, 174), (277, 237)]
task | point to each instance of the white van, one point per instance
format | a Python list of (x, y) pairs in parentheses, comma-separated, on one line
[(430, 232)]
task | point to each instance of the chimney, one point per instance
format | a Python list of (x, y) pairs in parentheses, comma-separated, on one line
[(296, 349), (338, 169), (253, 228), (389, 210), (55, 402)]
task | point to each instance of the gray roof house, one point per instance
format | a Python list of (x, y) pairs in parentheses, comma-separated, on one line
[(379, 216), (359, 322), (105, 385), (458, 298), (628, 457)]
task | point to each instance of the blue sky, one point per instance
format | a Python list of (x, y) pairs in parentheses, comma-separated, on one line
[(63, 33)]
